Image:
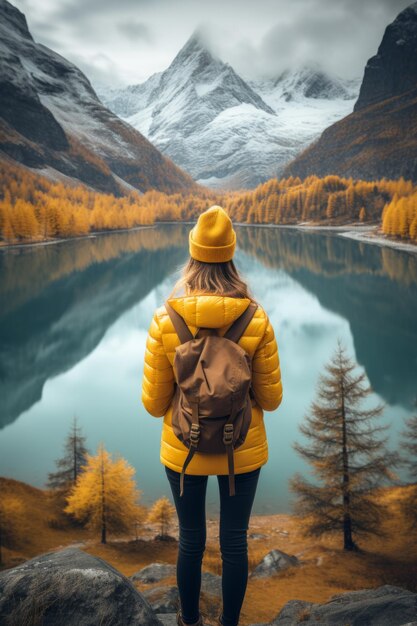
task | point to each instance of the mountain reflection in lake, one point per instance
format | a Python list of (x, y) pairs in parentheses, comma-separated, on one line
[(74, 318)]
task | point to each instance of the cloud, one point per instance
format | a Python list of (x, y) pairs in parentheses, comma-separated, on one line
[(340, 36), (135, 30), (79, 9), (320, 36), (124, 42), (98, 68)]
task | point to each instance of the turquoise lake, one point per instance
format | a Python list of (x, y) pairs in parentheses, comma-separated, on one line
[(74, 318)]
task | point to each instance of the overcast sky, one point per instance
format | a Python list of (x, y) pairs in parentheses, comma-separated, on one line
[(120, 42)]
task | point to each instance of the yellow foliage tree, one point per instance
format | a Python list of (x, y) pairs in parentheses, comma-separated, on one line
[(401, 209), (387, 218), (34, 208), (413, 229), (162, 513), (331, 205), (105, 496), (399, 215)]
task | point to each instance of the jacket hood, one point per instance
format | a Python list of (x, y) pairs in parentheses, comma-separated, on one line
[(209, 311)]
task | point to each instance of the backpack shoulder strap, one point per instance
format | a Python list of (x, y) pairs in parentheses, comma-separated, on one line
[(181, 328), (239, 325)]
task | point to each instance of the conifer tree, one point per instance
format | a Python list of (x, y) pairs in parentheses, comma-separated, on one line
[(69, 466), (105, 497), (347, 454), (331, 205), (162, 513), (413, 229), (409, 460)]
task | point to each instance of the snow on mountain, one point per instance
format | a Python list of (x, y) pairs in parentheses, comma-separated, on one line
[(359, 145), (305, 82), (225, 131), (51, 118)]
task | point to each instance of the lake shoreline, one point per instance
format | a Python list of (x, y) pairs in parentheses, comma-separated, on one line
[(370, 233), (366, 233), (92, 235)]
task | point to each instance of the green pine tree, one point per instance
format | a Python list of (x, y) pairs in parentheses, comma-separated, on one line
[(69, 466)]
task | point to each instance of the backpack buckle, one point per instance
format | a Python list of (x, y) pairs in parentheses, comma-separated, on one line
[(228, 434), (194, 433)]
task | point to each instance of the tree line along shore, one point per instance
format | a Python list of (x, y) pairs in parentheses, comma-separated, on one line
[(35, 209)]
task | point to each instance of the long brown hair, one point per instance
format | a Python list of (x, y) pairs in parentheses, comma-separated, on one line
[(217, 278)]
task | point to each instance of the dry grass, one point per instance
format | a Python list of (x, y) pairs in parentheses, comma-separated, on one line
[(40, 524), (324, 570)]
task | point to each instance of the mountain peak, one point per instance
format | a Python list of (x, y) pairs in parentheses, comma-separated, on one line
[(393, 69), (196, 46), (309, 79), (199, 39), (13, 19), (52, 118)]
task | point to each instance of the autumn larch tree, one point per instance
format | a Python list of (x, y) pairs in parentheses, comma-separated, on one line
[(409, 460), (105, 497), (162, 513), (347, 454), (69, 466)]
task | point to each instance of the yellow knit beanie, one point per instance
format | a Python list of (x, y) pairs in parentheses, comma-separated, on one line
[(213, 239)]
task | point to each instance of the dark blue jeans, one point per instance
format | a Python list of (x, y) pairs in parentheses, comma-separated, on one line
[(234, 522)]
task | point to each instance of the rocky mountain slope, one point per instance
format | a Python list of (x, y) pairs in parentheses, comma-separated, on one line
[(51, 119), (224, 131), (379, 138)]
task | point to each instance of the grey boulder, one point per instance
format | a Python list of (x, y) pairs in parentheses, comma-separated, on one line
[(163, 599), (211, 583), (384, 606), (168, 619), (273, 562), (155, 572), (73, 588)]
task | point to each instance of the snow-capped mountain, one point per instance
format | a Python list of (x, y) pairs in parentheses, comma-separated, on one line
[(51, 119), (378, 139), (225, 131), (307, 80)]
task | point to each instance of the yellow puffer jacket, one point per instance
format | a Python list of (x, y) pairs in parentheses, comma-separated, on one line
[(258, 340)]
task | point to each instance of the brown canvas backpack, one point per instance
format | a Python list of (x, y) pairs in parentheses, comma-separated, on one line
[(211, 407)]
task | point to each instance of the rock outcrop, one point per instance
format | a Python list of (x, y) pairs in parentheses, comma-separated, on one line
[(392, 71), (156, 572), (52, 119), (385, 606), (164, 600), (73, 588), (274, 561), (379, 138)]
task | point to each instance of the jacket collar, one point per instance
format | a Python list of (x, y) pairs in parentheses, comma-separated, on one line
[(208, 310)]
